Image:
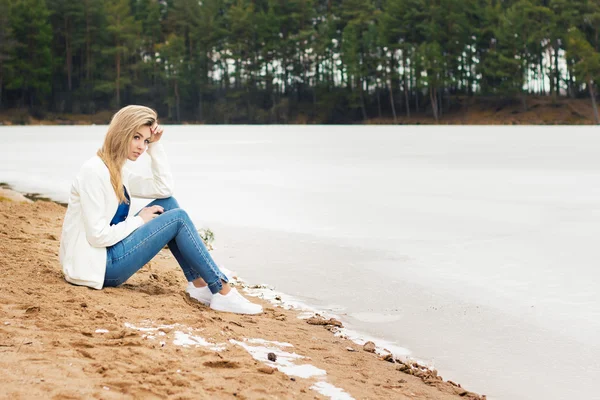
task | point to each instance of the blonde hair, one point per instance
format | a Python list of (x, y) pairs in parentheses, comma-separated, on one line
[(115, 150)]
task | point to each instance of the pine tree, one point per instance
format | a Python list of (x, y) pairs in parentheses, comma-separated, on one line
[(123, 31), (358, 15), (93, 60), (172, 53), (31, 61), (7, 44), (148, 14), (586, 64), (67, 19)]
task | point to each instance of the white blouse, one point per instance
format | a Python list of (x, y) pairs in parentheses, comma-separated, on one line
[(92, 204)]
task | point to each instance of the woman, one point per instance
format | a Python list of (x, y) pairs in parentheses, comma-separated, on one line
[(102, 246)]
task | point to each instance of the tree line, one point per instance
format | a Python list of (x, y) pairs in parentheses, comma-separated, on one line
[(278, 61)]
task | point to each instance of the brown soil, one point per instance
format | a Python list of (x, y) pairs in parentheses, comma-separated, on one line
[(50, 347), (541, 110)]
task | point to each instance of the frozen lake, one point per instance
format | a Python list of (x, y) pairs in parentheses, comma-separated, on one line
[(474, 247)]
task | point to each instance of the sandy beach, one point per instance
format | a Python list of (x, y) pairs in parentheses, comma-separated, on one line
[(147, 339)]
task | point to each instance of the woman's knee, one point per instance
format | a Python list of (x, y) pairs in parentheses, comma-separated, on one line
[(181, 215)]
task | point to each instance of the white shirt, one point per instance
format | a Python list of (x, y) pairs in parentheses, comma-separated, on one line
[(93, 203)]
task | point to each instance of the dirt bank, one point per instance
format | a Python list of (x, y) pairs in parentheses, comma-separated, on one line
[(147, 339)]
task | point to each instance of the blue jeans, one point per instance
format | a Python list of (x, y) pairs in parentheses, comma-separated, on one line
[(172, 227)]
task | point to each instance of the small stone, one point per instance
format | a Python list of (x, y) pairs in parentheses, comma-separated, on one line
[(267, 370), (32, 310), (369, 347), (350, 349), (316, 321), (403, 368), (293, 379), (335, 322), (388, 358), (272, 357), (322, 321)]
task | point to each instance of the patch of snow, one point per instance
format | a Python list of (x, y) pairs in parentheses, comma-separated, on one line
[(285, 361), (185, 339), (333, 392)]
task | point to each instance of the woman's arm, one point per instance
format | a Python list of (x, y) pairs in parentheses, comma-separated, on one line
[(160, 185), (93, 193)]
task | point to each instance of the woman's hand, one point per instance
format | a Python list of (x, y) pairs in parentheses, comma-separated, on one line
[(149, 213), (156, 132)]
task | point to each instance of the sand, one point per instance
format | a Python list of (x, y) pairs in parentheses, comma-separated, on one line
[(147, 339)]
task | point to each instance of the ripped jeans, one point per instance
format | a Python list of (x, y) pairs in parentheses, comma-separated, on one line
[(173, 227)]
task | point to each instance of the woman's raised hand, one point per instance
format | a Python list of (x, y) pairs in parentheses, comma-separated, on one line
[(156, 132), (149, 213)]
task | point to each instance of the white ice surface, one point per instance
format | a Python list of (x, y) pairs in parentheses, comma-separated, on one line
[(477, 244)]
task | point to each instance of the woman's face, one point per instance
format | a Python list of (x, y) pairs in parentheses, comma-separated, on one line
[(139, 143)]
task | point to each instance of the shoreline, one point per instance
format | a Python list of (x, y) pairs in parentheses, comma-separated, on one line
[(479, 110), (266, 292), (405, 379)]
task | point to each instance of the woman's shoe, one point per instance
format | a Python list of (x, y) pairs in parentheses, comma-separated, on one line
[(234, 302), (202, 294)]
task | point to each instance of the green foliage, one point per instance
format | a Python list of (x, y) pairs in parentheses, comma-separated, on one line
[(586, 58), (123, 31), (31, 60), (207, 236), (7, 44), (274, 61)]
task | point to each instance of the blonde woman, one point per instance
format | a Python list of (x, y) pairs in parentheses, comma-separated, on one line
[(102, 245)]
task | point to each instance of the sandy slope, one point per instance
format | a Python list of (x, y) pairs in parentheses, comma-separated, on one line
[(49, 346)]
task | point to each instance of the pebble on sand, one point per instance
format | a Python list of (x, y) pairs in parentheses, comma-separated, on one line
[(267, 370), (322, 321), (369, 347)]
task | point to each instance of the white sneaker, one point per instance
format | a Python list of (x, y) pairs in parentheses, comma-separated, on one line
[(234, 302), (202, 294)]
